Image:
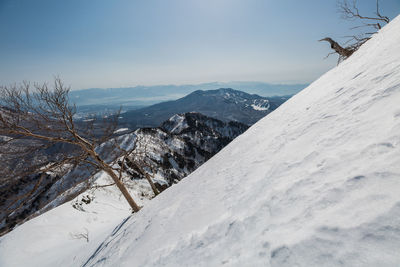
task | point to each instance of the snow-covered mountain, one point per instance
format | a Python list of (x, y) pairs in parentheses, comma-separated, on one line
[(169, 153), (182, 144), (224, 104), (148, 95), (315, 183)]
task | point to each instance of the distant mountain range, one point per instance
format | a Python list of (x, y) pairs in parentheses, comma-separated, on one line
[(224, 104), (177, 139), (139, 96)]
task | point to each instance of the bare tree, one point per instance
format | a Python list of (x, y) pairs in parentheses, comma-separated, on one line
[(39, 118), (371, 24), (351, 12), (140, 163)]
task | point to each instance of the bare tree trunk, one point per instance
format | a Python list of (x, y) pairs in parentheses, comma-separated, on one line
[(45, 114), (153, 187), (122, 188), (106, 167), (343, 52)]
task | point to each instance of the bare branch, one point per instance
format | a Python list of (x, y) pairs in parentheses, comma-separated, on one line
[(350, 11), (36, 118)]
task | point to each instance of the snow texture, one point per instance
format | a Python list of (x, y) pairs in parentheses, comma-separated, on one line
[(52, 239), (315, 183)]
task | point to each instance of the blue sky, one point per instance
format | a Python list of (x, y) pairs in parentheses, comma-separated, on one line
[(118, 43)]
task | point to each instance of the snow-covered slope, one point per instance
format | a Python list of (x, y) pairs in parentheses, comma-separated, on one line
[(316, 183), (55, 238), (173, 151), (169, 152)]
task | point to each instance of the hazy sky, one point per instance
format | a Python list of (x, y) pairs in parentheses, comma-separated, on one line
[(117, 43)]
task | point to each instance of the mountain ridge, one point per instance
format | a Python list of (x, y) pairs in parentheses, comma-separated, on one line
[(171, 151), (149, 95), (225, 104)]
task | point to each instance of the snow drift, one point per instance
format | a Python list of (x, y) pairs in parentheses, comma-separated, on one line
[(316, 183)]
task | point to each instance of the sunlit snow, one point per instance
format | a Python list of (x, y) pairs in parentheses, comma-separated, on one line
[(315, 183)]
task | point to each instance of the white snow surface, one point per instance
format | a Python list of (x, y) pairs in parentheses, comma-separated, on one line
[(260, 104), (120, 130), (255, 107), (315, 183), (52, 239), (180, 123)]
